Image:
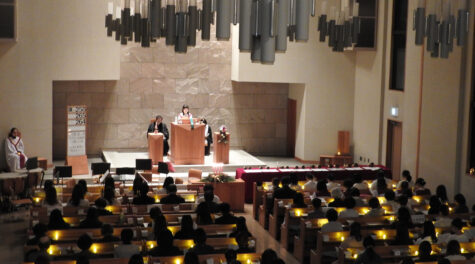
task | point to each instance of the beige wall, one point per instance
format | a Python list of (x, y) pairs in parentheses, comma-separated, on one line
[(156, 80), (57, 40), (329, 79)]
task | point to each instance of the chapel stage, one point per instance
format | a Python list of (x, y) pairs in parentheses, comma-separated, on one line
[(237, 159)]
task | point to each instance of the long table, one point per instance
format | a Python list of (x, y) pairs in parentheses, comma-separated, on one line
[(249, 176)]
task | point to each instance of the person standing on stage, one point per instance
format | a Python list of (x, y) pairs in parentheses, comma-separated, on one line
[(185, 112), (15, 151), (208, 137), (159, 127)]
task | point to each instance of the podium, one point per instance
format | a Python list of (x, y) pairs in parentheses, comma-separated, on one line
[(155, 147), (221, 150), (187, 145)]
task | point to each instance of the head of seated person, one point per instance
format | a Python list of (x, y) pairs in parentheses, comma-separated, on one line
[(299, 201), (389, 195), (200, 237), (83, 184), (126, 236), (208, 188), (381, 185), (269, 256), (136, 259), (48, 184), (402, 200), (137, 184), (285, 182), (347, 184), (100, 203), (51, 197), (39, 230), (350, 202), (374, 203), (425, 249), (203, 214), (77, 195), (453, 248), (172, 189), (144, 189), (406, 175), (242, 239), (461, 207), (294, 180), (309, 177), (168, 180), (109, 182), (107, 232), (109, 195), (160, 225), (332, 215), (404, 216), (84, 242), (402, 234), (441, 193), (225, 209), (191, 258), (337, 194), (230, 255), (456, 226), (434, 204), (209, 197), (186, 224), (275, 183), (56, 220), (155, 212), (92, 219), (322, 188)]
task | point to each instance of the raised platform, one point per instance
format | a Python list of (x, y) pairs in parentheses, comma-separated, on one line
[(126, 158)]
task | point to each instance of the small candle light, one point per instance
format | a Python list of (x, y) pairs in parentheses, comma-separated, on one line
[(94, 249), (50, 250), (56, 235), (463, 251), (355, 256), (342, 238), (339, 153), (177, 261), (384, 236), (416, 253), (298, 212)]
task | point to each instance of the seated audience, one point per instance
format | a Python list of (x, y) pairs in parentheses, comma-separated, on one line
[(379, 186), (206, 189), (191, 258), (359, 183), (43, 245), (455, 232), (84, 244), (226, 216), (137, 184), (39, 230), (294, 182), (406, 177), (201, 248), (434, 204), (242, 240), (230, 255), (136, 259), (428, 233), (51, 200), (109, 196), (172, 197), (213, 207), (101, 204), (285, 192), (92, 219), (355, 240), (299, 201), (376, 209), (404, 217), (77, 197), (186, 230), (275, 184), (333, 225), (453, 251), (48, 184), (268, 256), (143, 197), (419, 187), (126, 249), (347, 185), (203, 215), (83, 185), (168, 180), (241, 227), (441, 193), (165, 246), (425, 249), (355, 193), (461, 207), (338, 198), (402, 235), (349, 212), (402, 200), (310, 185), (317, 209), (56, 221), (330, 183), (369, 256), (390, 200), (160, 225), (322, 189), (443, 220), (107, 232), (404, 189)]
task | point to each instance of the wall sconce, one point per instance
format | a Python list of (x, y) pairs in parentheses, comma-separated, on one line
[(395, 111)]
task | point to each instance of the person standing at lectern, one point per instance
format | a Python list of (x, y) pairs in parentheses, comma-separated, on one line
[(15, 151), (185, 112), (208, 137), (159, 127)]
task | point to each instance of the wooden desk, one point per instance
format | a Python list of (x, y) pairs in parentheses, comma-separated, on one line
[(221, 150), (339, 160), (188, 145), (155, 147)]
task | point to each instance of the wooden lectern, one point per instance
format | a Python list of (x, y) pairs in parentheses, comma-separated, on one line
[(221, 150), (155, 147), (187, 145)]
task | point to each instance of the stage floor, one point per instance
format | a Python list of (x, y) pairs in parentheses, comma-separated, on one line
[(237, 159)]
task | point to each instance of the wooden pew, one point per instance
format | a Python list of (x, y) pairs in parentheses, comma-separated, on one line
[(291, 220), (277, 216), (257, 200)]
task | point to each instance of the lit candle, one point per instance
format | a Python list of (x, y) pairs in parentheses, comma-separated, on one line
[(56, 235)]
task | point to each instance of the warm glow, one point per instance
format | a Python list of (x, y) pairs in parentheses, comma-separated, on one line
[(451, 209), (355, 256), (109, 208), (37, 199), (94, 249), (462, 250), (382, 200), (56, 235), (416, 253), (392, 218), (50, 251), (248, 261), (416, 198), (280, 185), (339, 153), (394, 186), (384, 236), (342, 238), (365, 211), (177, 261), (298, 212), (322, 221)]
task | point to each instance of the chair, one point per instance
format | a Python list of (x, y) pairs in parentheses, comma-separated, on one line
[(163, 168), (194, 173)]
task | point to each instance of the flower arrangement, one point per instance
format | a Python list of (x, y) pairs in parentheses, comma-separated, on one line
[(221, 177), (222, 135)]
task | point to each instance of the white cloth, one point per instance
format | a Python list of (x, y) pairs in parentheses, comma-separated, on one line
[(310, 186), (455, 257), (12, 147), (445, 238), (181, 116), (202, 199), (332, 185), (332, 227), (361, 186), (349, 213), (126, 251)]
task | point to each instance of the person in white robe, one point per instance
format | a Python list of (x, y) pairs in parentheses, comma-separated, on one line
[(15, 151)]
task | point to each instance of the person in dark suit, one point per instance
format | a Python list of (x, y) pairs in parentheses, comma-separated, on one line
[(159, 127), (226, 218), (142, 197), (92, 219), (101, 204), (165, 245), (285, 192), (201, 248), (208, 137), (172, 197)]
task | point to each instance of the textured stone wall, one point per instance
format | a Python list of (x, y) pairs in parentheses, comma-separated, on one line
[(158, 81)]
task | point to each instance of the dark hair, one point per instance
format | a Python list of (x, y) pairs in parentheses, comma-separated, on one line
[(404, 216), (171, 188), (407, 175), (368, 244), (460, 199), (293, 179), (82, 260), (332, 215), (83, 184), (402, 234), (275, 181), (230, 255), (44, 243), (404, 186), (56, 219), (209, 196), (441, 193), (203, 214), (92, 214), (165, 239), (185, 106), (200, 236), (350, 202), (348, 184), (389, 195), (136, 259), (317, 203), (84, 242), (143, 189), (77, 195), (354, 192), (299, 200), (109, 194), (309, 176), (453, 248), (429, 230), (241, 225), (322, 186), (51, 197), (155, 212), (191, 258), (381, 185), (331, 177), (357, 178), (242, 238), (285, 180), (355, 230), (126, 235), (402, 200), (374, 203), (100, 203), (168, 180), (48, 184), (109, 182), (224, 208), (11, 132), (107, 229), (435, 204), (421, 182), (39, 230), (424, 249), (137, 183), (444, 210), (208, 188), (158, 116), (186, 223), (268, 256), (160, 225), (457, 223)]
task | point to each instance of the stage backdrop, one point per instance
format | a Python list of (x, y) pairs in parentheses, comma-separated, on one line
[(158, 81)]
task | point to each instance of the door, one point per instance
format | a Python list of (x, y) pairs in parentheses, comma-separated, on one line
[(393, 148), (291, 126)]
